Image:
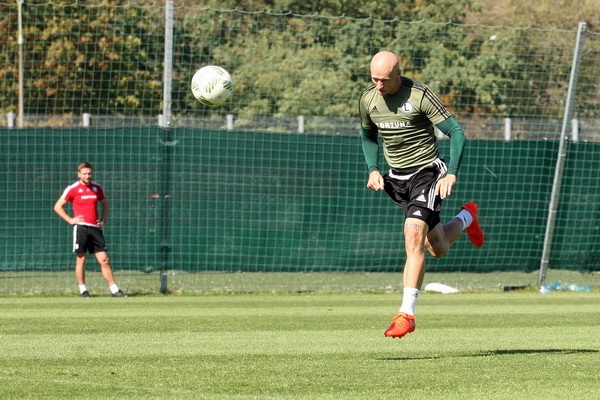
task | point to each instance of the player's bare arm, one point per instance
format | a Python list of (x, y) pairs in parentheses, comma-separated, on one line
[(59, 208), (102, 221)]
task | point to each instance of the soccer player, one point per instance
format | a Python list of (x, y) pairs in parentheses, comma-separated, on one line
[(84, 196), (405, 112)]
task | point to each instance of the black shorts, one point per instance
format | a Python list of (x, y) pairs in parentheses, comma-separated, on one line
[(415, 193), (88, 238)]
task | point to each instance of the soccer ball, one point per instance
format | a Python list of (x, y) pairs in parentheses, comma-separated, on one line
[(212, 85)]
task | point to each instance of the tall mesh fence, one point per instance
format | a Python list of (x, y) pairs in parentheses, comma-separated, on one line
[(274, 180)]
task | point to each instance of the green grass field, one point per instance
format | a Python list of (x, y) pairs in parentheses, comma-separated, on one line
[(38, 283), (519, 345)]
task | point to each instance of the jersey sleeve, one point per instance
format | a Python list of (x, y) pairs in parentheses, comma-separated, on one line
[(452, 129), (370, 147), (100, 192), (433, 108), (67, 194), (369, 137), (363, 110)]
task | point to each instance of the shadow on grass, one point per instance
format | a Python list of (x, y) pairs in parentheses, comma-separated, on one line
[(491, 353)]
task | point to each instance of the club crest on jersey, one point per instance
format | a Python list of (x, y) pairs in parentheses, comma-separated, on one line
[(406, 108)]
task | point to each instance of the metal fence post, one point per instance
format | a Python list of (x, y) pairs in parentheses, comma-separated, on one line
[(165, 123), (575, 130), (561, 156), (507, 129), (300, 119)]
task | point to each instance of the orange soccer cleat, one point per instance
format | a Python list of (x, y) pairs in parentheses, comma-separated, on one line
[(474, 231), (401, 325)]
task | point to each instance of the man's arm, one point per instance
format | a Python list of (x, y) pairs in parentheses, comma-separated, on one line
[(59, 208), (452, 129), (370, 147), (102, 220)]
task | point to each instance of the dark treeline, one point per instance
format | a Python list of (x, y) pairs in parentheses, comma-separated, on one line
[(108, 59)]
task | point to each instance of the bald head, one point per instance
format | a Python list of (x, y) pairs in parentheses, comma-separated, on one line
[(385, 62), (385, 72)]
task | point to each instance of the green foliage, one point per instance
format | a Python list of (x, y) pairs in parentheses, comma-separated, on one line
[(285, 59), (404, 10), (546, 14), (524, 81), (92, 58)]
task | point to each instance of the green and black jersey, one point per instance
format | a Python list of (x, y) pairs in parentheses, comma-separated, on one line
[(406, 122)]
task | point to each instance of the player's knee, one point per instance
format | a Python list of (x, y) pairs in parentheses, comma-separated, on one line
[(437, 248), (104, 261), (438, 253)]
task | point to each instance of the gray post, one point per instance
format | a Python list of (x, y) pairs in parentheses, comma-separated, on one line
[(507, 129), (575, 130), (300, 123), (561, 156), (21, 115), (165, 123), (168, 64)]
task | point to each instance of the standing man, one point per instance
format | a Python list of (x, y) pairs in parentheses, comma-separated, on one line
[(84, 196), (405, 113)]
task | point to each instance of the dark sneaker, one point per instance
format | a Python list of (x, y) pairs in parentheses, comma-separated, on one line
[(119, 294), (85, 294)]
